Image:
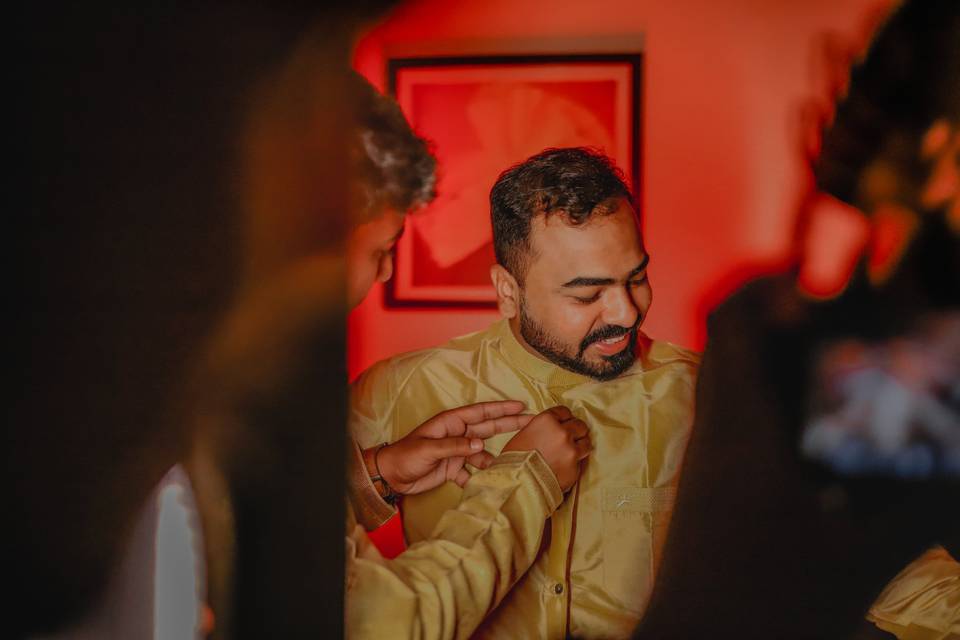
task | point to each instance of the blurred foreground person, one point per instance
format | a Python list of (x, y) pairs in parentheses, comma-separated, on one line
[(824, 453), (133, 248)]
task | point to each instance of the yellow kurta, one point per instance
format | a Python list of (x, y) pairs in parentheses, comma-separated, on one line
[(594, 575)]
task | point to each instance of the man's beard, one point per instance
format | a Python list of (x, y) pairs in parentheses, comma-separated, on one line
[(556, 352)]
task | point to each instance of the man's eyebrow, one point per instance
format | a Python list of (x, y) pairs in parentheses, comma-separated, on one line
[(588, 282), (603, 282)]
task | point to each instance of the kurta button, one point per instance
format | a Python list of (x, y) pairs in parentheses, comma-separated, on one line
[(558, 588)]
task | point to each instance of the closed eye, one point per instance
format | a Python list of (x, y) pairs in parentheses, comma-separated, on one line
[(589, 300)]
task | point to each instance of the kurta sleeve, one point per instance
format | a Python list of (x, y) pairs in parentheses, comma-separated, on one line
[(444, 587)]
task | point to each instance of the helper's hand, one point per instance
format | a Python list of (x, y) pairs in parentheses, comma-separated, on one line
[(562, 439), (436, 451)]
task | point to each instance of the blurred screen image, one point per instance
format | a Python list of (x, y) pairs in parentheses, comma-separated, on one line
[(891, 407)]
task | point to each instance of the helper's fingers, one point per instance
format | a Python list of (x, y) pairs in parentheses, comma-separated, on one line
[(455, 447), (462, 476), (480, 460), (489, 428), (454, 421)]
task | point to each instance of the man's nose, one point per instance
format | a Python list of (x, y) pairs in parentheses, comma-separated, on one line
[(620, 309)]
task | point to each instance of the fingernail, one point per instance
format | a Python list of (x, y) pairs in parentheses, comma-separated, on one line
[(476, 444)]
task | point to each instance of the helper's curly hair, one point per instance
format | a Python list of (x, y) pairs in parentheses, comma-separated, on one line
[(392, 166)]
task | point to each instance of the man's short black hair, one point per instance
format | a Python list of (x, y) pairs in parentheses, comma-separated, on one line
[(576, 182), (393, 167)]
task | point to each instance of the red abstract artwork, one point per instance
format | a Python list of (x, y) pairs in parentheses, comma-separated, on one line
[(483, 115)]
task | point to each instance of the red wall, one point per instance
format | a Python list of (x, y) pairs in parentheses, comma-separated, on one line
[(723, 83)]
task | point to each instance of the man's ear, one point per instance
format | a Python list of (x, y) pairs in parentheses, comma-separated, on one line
[(508, 291)]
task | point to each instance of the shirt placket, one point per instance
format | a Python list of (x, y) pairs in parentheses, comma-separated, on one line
[(557, 585)]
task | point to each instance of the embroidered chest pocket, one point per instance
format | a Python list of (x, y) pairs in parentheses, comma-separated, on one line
[(635, 523)]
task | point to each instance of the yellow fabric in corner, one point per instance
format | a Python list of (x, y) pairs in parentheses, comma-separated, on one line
[(923, 601)]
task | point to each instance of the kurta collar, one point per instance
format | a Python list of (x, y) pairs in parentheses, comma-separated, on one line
[(537, 368)]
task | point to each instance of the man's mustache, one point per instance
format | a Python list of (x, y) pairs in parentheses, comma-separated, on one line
[(603, 333)]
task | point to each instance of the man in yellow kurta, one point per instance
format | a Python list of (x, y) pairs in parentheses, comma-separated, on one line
[(571, 284)]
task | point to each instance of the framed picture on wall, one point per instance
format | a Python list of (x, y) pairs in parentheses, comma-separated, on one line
[(484, 114)]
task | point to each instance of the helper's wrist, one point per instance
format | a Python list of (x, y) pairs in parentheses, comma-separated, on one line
[(379, 470)]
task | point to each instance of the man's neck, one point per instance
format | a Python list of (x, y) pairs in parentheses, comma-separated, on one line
[(514, 323)]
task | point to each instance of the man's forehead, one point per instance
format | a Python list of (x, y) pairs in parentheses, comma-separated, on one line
[(603, 243)]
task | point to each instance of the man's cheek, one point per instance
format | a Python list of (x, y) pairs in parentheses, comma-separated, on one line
[(574, 325), (572, 316)]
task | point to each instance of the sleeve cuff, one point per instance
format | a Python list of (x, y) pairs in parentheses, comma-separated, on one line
[(370, 509), (534, 463)]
